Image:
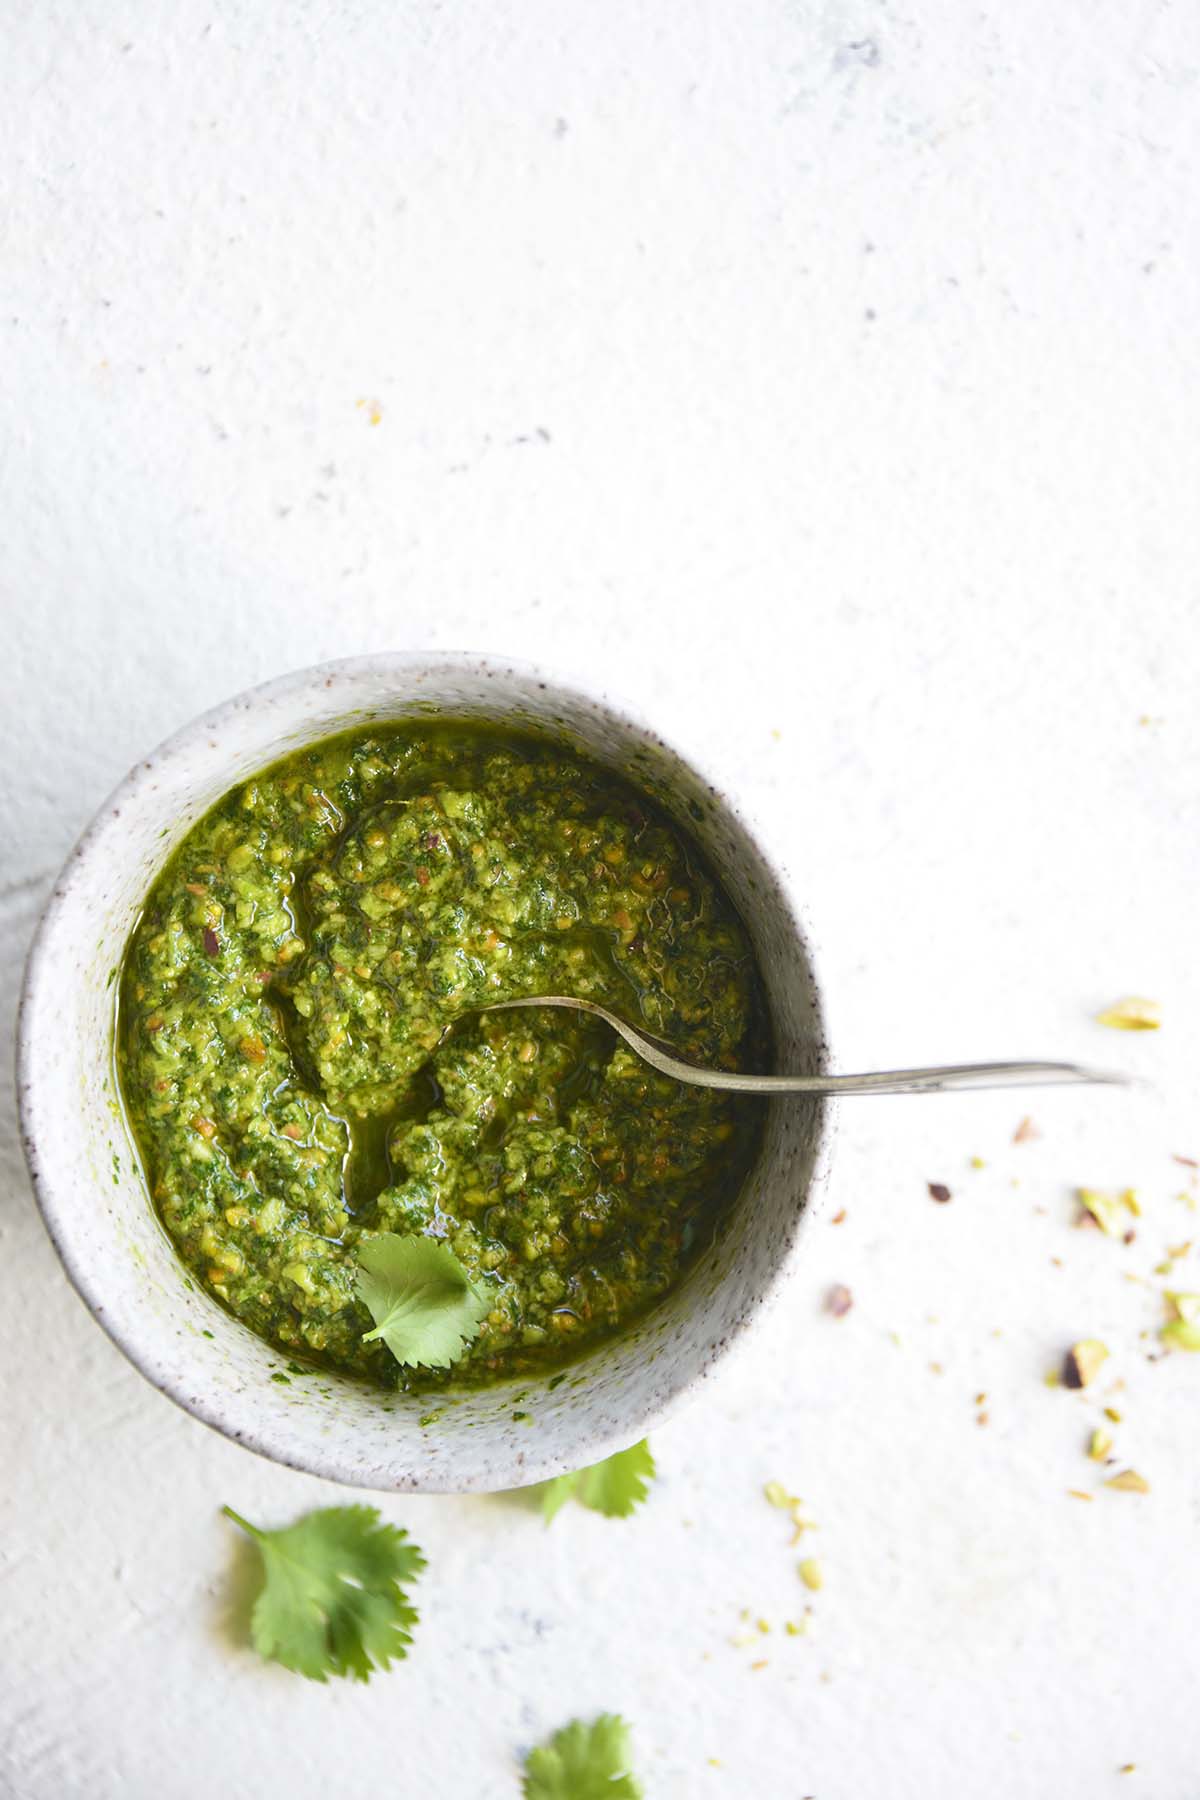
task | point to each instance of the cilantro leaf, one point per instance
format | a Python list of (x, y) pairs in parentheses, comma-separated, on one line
[(425, 1306), (612, 1487), (331, 1601), (584, 1762), (555, 1495)]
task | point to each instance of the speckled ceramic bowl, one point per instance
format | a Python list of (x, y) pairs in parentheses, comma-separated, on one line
[(88, 1178)]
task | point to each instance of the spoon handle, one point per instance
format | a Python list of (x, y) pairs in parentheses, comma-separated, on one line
[(940, 1079)]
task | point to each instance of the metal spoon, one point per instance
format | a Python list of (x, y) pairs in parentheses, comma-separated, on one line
[(889, 1081)]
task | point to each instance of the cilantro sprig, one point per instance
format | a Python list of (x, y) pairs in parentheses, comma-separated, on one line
[(425, 1306), (584, 1762), (332, 1600), (612, 1487)]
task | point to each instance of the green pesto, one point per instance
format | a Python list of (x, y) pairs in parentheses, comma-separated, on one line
[(303, 1064)]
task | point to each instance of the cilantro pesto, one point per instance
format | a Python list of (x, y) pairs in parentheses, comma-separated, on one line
[(304, 1065)]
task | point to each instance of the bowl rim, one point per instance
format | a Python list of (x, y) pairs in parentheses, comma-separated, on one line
[(54, 1204)]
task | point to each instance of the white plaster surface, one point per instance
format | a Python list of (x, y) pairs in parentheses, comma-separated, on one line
[(825, 378)]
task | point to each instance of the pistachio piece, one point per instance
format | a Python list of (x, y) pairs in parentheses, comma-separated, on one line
[(1083, 1363)]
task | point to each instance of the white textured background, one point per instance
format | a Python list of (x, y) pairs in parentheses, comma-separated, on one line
[(824, 378)]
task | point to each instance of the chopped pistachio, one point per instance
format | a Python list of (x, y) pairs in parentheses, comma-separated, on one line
[(776, 1494), (794, 1630), (1113, 1413), (1132, 1014), (1129, 1482), (1108, 1210), (977, 1162), (1182, 1332), (810, 1574), (1078, 1494), (1099, 1444), (1053, 1378), (1083, 1363), (763, 1626)]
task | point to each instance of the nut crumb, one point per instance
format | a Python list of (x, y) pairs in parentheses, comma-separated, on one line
[(838, 1301), (1132, 1014), (939, 1191), (1083, 1363), (1129, 1482)]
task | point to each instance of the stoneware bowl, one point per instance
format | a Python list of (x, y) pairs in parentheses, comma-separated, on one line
[(88, 1178)]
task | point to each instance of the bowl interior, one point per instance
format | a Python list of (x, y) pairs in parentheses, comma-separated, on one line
[(88, 1176)]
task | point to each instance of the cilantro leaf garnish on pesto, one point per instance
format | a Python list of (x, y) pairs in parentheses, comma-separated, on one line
[(333, 1601), (425, 1306), (584, 1762), (612, 1487)]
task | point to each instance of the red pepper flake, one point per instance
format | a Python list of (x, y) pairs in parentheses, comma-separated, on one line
[(212, 943), (1189, 1162), (838, 1217), (423, 877), (1026, 1131), (838, 1301), (938, 1191)]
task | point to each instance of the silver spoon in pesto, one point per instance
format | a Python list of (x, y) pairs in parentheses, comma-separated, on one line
[(888, 1081)]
